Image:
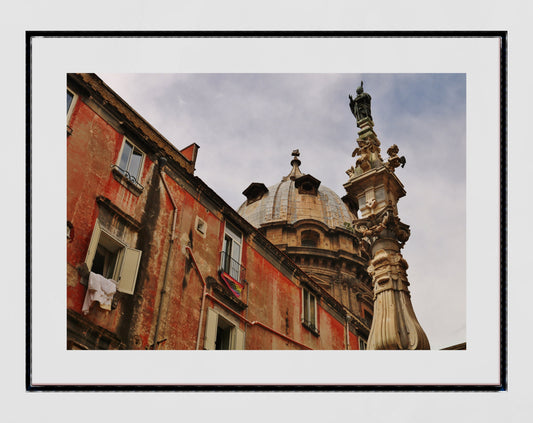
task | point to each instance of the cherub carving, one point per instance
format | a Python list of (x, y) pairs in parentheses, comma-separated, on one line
[(395, 161), (367, 146)]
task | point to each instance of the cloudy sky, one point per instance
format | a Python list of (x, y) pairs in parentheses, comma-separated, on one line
[(248, 124)]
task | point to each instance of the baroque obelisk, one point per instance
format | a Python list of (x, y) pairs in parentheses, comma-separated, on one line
[(375, 188)]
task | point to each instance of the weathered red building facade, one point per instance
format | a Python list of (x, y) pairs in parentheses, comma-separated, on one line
[(157, 260)]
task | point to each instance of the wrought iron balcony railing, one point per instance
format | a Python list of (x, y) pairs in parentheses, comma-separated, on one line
[(127, 176), (231, 266)]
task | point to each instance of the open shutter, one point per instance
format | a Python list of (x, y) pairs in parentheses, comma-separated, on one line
[(239, 339), (128, 270), (210, 329), (93, 245), (305, 299)]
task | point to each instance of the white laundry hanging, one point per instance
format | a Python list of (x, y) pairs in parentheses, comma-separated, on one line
[(99, 289)]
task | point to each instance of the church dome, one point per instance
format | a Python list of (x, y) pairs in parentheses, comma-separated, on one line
[(296, 198)]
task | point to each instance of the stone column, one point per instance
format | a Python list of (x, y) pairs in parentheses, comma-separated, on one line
[(374, 186)]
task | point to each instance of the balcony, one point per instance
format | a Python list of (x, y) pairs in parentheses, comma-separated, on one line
[(231, 266), (129, 181)]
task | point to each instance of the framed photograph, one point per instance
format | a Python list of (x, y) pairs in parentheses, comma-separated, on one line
[(329, 206)]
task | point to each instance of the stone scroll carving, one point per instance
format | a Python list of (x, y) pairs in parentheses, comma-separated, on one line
[(374, 227)]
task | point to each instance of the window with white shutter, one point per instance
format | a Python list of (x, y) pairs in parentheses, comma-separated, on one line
[(113, 259), (309, 310)]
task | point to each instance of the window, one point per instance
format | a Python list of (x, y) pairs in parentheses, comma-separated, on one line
[(362, 344), (307, 187), (131, 161), (128, 169), (367, 318), (70, 97), (201, 226), (309, 310), (255, 192), (231, 252), (310, 238), (222, 334), (307, 184), (71, 100), (111, 258)]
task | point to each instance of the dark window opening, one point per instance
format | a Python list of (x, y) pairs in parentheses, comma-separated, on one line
[(201, 227), (223, 339), (367, 318), (310, 239), (104, 262)]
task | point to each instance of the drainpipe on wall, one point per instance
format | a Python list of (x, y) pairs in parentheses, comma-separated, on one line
[(247, 302), (204, 293), (162, 163), (347, 331)]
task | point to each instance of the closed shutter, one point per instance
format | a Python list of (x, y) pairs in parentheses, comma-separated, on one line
[(93, 245), (210, 329), (128, 270), (239, 339)]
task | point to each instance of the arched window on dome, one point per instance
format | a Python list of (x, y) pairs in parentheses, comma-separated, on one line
[(310, 239)]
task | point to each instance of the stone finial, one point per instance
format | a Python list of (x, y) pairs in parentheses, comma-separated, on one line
[(295, 163)]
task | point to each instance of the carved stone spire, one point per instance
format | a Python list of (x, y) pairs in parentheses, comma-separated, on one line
[(374, 186)]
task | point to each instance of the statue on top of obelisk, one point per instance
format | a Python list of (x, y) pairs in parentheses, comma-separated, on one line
[(360, 105)]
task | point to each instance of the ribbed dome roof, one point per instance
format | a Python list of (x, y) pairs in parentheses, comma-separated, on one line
[(297, 197)]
